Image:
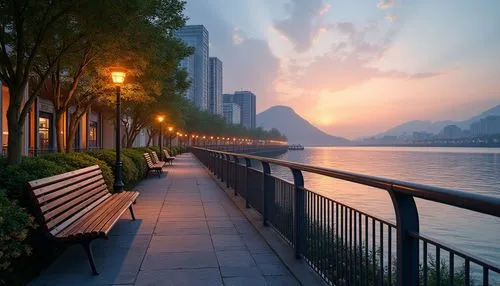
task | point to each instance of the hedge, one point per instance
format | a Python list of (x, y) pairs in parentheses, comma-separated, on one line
[(15, 224), (130, 173), (138, 159), (73, 161), (14, 178)]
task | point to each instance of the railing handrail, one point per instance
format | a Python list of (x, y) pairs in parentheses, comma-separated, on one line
[(476, 202)]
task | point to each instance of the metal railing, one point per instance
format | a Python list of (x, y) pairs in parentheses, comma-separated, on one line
[(346, 246)]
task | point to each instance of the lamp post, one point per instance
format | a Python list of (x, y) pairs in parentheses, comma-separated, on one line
[(160, 119), (170, 129), (118, 76)]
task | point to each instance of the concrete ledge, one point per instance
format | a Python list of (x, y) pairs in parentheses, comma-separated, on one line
[(298, 267)]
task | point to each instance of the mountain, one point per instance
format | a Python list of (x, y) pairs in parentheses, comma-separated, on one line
[(297, 129), (436, 126)]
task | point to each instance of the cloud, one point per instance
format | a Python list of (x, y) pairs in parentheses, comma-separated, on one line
[(303, 23), (385, 4), (424, 75), (391, 18), (248, 62), (238, 37)]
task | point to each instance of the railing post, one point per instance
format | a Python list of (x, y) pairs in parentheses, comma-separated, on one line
[(299, 214), (248, 164), (228, 159), (267, 189), (407, 247), (217, 165), (236, 166)]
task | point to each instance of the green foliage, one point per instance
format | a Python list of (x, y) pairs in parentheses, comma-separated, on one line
[(15, 224), (137, 159), (130, 173), (13, 178), (73, 161), (203, 122)]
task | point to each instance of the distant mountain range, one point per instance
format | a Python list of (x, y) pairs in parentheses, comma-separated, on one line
[(297, 129), (435, 126)]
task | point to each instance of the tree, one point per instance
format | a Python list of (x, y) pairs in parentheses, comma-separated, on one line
[(24, 28), (127, 31)]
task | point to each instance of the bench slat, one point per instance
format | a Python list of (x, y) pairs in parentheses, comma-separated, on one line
[(105, 214), (96, 174), (74, 210), (87, 219), (107, 210), (63, 225), (84, 186), (127, 201), (57, 178), (93, 194)]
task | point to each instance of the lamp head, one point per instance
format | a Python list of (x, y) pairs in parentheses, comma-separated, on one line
[(118, 75)]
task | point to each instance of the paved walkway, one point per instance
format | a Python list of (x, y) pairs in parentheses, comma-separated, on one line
[(187, 232)]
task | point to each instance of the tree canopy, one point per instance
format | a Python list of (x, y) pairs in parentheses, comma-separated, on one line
[(66, 49)]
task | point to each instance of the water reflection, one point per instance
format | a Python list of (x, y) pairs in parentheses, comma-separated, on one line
[(474, 170)]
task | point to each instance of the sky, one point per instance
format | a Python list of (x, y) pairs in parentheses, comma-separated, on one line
[(358, 68)]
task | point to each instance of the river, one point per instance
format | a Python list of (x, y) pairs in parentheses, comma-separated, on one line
[(475, 170)]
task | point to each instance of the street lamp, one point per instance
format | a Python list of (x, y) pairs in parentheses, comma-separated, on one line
[(160, 119), (170, 129), (118, 77)]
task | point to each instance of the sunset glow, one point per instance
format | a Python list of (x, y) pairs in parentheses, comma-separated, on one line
[(356, 69)]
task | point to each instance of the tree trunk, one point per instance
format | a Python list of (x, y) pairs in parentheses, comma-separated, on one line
[(15, 127), (150, 138), (15, 135), (73, 127), (60, 126)]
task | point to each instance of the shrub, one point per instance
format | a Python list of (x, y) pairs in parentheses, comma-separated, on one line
[(73, 161), (15, 224), (13, 178), (130, 174), (138, 159)]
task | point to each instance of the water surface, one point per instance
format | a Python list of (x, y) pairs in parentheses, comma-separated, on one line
[(475, 170)]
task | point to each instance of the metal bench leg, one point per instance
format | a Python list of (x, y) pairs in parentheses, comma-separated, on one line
[(131, 212), (88, 249)]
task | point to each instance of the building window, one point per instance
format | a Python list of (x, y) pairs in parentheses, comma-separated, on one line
[(93, 131), (45, 131)]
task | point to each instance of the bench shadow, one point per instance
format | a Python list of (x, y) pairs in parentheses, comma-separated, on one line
[(118, 258)]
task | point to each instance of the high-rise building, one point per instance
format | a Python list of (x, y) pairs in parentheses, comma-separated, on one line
[(196, 65), (215, 86), (227, 98), (247, 102), (232, 113)]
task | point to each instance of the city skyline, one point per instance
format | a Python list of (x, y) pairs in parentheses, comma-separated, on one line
[(341, 64)]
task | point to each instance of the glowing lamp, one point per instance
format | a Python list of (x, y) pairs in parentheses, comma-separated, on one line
[(118, 75), (160, 118)]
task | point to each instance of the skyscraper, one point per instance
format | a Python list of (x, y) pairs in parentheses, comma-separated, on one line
[(247, 102), (215, 86), (232, 113), (196, 36)]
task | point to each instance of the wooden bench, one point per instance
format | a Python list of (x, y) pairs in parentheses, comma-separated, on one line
[(155, 159), (76, 207), (168, 158), (155, 167)]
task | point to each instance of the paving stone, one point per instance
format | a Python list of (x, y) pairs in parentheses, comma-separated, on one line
[(184, 277), (281, 281), (245, 281), (180, 243), (180, 260), (227, 242)]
